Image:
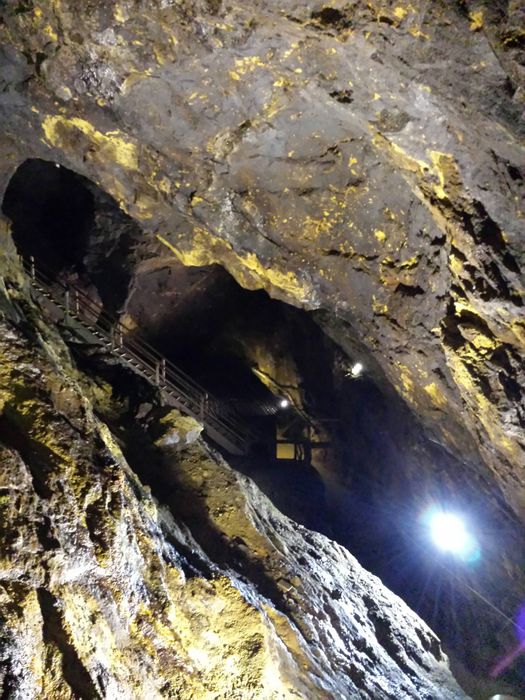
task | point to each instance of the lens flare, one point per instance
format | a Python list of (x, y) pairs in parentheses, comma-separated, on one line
[(520, 625), (449, 533)]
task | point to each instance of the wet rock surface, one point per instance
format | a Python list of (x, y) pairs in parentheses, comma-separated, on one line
[(106, 592)]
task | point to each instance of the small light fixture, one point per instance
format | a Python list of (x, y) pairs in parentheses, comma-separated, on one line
[(284, 403), (356, 370), (57, 165)]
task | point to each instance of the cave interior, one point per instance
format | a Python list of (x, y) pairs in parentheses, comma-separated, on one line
[(338, 456)]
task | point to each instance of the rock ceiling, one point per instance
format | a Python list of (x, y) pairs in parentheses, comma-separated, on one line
[(363, 160)]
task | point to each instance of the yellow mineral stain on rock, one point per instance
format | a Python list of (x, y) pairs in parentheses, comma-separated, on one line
[(120, 14), (405, 383), (161, 60), (60, 130), (246, 268), (455, 265), (445, 167), (234, 75), (134, 78), (476, 20), (399, 155), (378, 307), (400, 12), (201, 255), (248, 64), (409, 263), (483, 408), (380, 235), (50, 33), (436, 395), (285, 281), (438, 159), (418, 34)]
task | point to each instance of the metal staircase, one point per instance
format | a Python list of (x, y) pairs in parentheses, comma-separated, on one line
[(220, 422)]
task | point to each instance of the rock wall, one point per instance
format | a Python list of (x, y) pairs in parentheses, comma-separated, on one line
[(363, 158), (105, 592)]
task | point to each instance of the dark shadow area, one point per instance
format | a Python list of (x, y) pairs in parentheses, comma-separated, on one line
[(73, 228), (52, 212), (55, 635)]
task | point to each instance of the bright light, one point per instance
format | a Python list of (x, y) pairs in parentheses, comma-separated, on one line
[(357, 369), (449, 533), (57, 165), (284, 403)]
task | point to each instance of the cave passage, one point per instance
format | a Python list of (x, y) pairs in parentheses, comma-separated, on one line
[(80, 234), (52, 212), (339, 457), (73, 228)]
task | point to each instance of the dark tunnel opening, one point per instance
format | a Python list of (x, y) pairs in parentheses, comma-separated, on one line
[(341, 458), (73, 229), (53, 201)]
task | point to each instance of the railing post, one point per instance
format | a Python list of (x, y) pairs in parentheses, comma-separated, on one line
[(203, 404), (186, 393)]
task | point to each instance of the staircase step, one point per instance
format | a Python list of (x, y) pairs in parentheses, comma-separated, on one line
[(231, 437)]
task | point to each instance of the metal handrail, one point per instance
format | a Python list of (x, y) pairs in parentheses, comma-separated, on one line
[(187, 394)]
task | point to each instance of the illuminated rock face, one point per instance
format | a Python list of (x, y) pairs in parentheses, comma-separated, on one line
[(361, 159), (215, 594)]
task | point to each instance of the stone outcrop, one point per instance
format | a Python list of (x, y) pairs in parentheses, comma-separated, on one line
[(361, 160), (212, 593)]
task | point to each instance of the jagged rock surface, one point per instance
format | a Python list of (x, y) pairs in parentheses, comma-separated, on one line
[(105, 593), (364, 159)]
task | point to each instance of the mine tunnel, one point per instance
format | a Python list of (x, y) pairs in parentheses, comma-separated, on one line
[(227, 339), (336, 449), (72, 228)]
